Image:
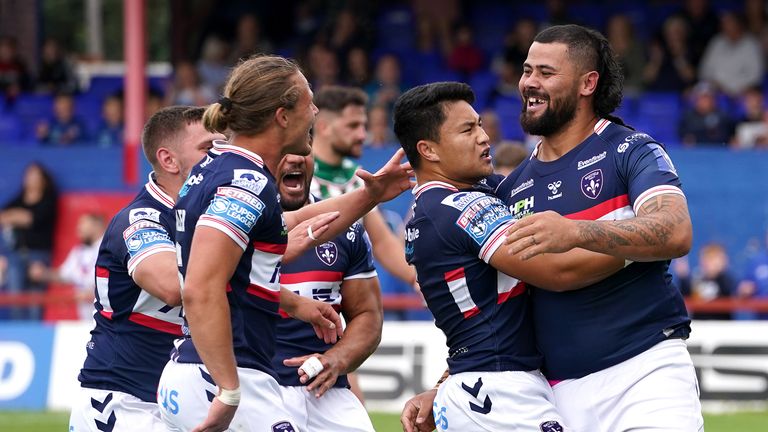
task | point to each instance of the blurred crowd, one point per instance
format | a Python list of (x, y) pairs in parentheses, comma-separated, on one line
[(694, 76)]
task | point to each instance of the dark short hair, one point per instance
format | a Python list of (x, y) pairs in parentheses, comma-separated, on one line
[(165, 126), (419, 113), (335, 98), (591, 51)]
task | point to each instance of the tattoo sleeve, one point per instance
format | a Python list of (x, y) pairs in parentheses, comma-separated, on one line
[(442, 379)]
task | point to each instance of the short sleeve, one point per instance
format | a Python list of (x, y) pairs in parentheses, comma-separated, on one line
[(144, 238), (360, 258), (649, 172)]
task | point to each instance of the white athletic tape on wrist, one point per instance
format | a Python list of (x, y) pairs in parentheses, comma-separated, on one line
[(312, 367), (229, 397)]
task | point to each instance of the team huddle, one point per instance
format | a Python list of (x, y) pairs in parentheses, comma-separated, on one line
[(551, 284)]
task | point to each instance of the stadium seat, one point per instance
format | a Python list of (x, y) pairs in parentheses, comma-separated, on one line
[(508, 111), (660, 112)]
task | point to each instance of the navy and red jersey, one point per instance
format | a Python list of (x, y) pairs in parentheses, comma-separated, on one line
[(483, 312), (134, 331), (320, 274), (232, 191), (607, 177)]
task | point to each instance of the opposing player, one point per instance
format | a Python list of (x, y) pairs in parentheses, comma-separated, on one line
[(138, 313), (455, 240), (625, 366), (341, 273), (339, 134), (229, 210)]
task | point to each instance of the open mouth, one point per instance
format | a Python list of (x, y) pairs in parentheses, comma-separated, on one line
[(293, 180), (486, 154), (534, 103)]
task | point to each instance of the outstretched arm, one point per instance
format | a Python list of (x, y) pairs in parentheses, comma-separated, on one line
[(387, 248), (660, 231)]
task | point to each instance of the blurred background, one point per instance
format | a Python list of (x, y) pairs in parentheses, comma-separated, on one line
[(79, 77)]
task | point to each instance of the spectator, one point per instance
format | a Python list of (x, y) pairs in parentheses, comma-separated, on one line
[(358, 71), (436, 17), (491, 126), (56, 74), (671, 66), (323, 66), (249, 40), (380, 133), (387, 85), (212, 66), (187, 88), (702, 23), (752, 128), (755, 282), (705, 123), (516, 44), (14, 77), (756, 15), (465, 57), (623, 39), (346, 33), (27, 223), (711, 281), (64, 128), (507, 156), (153, 103), (79, 266), (733, 59), (110, 133)]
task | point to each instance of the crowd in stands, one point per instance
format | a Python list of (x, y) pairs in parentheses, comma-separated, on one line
[(695, 75)]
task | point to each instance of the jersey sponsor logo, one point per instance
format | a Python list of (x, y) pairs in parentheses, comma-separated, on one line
[(181, 216), (327, 252), (207, 160), (146, 213), (283, 426), (551, 426), (523, 186), (351, 232), (411, 234), (236, 206), (631, 140), (143, 235), (251, 180), (482, 217), (592, 184), (554, 188), (591, 161), (195, 180), (522, 207), (461, 200)]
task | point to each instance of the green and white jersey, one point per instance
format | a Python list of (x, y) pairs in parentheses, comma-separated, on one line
[(331, 181)]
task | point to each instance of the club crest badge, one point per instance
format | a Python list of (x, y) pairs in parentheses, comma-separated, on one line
[(551, 426), (592, 184), (327, 252)]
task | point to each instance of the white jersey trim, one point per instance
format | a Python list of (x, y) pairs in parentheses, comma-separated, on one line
[(138, 259), (494, 242), (364, 275), (157, 193), (231, 232), (656, 191)]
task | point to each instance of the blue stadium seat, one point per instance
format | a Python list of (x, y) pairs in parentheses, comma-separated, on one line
[(508, 110), (395, 29), (660, 113), (103, 86), (11, 132), (482, 83)]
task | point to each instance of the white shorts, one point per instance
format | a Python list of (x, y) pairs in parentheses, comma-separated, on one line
[(497, 401), (186, 390), (337, 410), (656, 390), (98, 410)]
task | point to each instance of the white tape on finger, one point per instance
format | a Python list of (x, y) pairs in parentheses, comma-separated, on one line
[(312, 367)]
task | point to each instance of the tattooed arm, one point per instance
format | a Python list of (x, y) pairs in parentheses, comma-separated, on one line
[(660, 231)]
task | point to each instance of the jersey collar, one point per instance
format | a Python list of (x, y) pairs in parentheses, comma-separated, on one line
[(224, 147), (420, 189), (157, 193), (598, 128)]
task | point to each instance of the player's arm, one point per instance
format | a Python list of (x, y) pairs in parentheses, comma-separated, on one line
[(325, 321), (661, 230), (388, 248), (361, 306), (208, 315), (158, 275), (388, 182)]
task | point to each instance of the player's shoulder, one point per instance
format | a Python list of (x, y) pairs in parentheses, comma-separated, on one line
[(623, 140)]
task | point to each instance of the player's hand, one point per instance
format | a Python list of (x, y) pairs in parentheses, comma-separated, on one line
[(324, 319), (417, 413), (545, 232), (219, 417), (299, 240), (390, 181), (324, 381)]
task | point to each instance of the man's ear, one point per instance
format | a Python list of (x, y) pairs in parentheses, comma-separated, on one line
[(166, 159), (428, 150), (589, 83), (281, 117)]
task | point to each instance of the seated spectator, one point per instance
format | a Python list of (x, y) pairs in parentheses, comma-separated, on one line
[(65, 128), (249, 40), (629, 52), (153, 103), (358, 71), (755, 282), (705, 123), (491, 127), (323, 66), (710, 281), (347, 31), (14, 76), (79, 266), (380, 133), (213, 66), (55, 74), (110, 133), (27, 224), (507, 156), (387, 85), (465, 57), (516, 44), (733, 59), (671, 66), (752, 127), (187, 88)]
